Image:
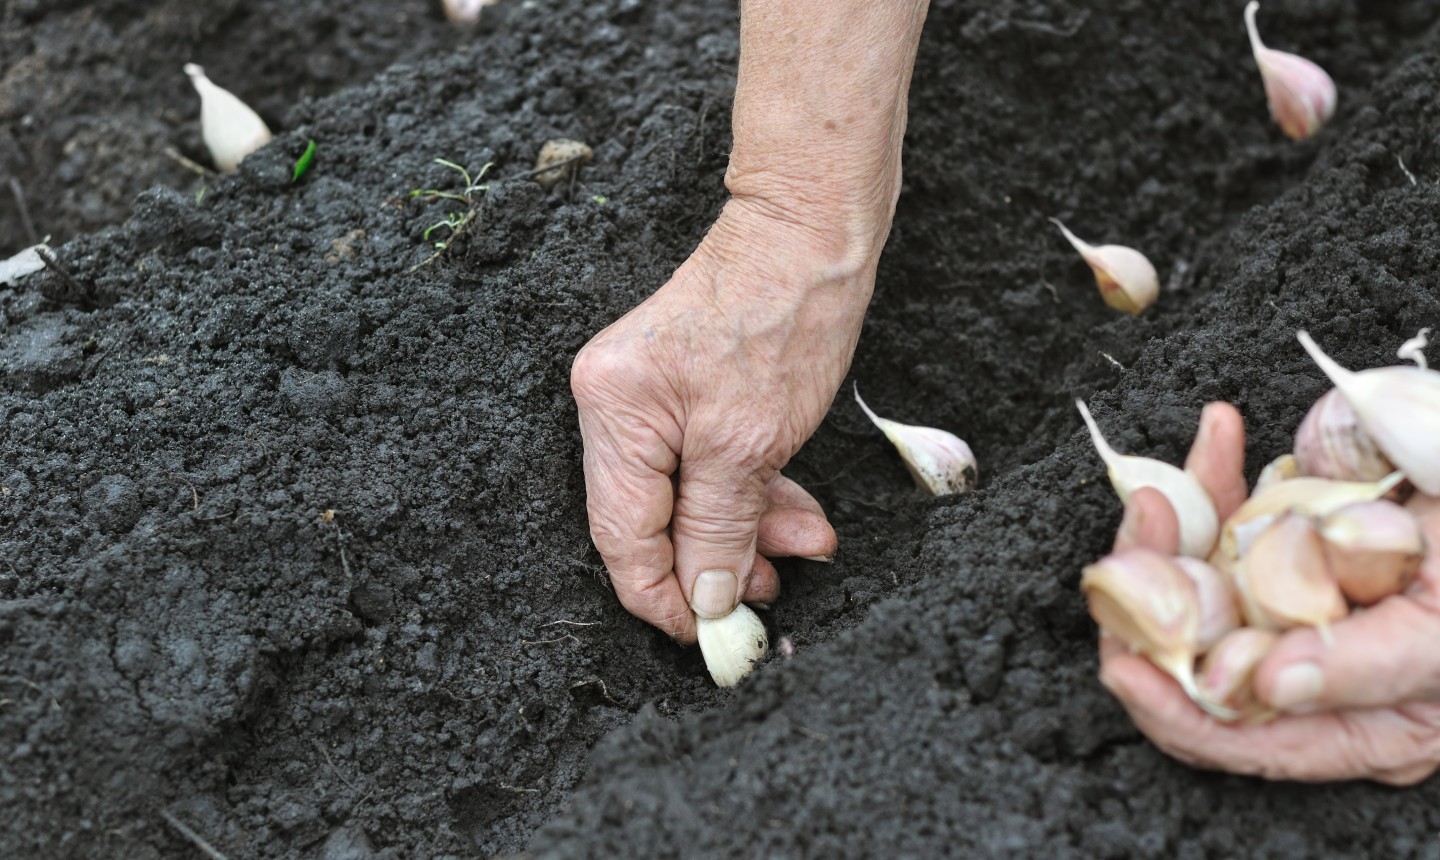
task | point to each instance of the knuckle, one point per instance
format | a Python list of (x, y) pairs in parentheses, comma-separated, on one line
[(600, 367)]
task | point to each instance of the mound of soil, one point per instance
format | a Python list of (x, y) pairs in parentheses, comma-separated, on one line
[(293, 520)]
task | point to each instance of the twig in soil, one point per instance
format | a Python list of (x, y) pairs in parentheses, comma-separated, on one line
[(1110, 358), (54, 265), (1408, 175), (20, 206), (321, 747), (551, 641), (559, 165), (518, 790), (572, 623), (603, 691), (193, 836), (806, 731), (54, 702), (193, 166), (1051, 29), (194, 496)]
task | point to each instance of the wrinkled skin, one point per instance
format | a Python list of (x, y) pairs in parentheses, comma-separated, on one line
[(1372, 711)]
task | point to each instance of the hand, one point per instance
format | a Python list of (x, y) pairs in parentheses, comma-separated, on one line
[(692, 403), (1368, 707)]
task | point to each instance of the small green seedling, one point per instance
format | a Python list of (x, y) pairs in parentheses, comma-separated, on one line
[(458, 220), (302, 164)]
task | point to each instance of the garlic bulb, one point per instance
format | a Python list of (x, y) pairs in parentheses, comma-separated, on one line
[(1127, 280), (1302, 96), (1194, 509), (941, 463), (1229, 668), (1374, 549), (1284, 580), (1216, 600), (1330, 444), (1282, 468), (230, 128), (732, 644), (1399, 408)]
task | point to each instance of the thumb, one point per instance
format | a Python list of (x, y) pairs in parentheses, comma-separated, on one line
[(713, 528), (1381, 657)]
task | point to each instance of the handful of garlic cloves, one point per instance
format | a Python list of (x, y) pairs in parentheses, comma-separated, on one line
[(1321, 535)]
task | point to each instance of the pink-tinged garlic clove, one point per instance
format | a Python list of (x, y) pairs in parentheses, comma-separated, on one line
[(1284, 579), (1227, 672), (1302, 96), (1374, 549), (939, 462), (1127, 280), (1218, 604), (1331, 444)]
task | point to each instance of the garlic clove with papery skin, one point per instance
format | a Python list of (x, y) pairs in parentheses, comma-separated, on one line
[(1227, 671), (1126, 278), (1217, 602), (1374, 549), (940, 462), (466, 13), (1398, 407), (1194, 509), (732, 644), (1282, 468), (230, 128), (1284, 579), (1147, 602), (1331, 444), (1302, 96)]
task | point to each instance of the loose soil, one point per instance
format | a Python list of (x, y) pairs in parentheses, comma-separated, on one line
[(293, 523)]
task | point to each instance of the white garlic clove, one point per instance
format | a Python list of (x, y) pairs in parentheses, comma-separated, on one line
[(466, 13), (1374, 549), (1331, 444), (1227, 672), (732, 644), (1217, 601), (1399, 407), (1284, 579), (26, 262), (1127, 280), (1302, 96), (230, 128), (1194, 509), (1282, 468), (1414, 349), (940, 462)]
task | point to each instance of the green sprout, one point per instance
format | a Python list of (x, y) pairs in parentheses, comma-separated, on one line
[(302, 165), (456, 221)]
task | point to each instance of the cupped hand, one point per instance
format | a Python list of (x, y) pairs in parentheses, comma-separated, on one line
[(691, 404), (1366, 707)]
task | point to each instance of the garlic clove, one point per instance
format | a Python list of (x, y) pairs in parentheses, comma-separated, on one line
[(230, 128), (1399, 407), (1194, 509), (1127, 280), (26, 262), (1331, 444), (1374, 549), (1284, 580), (1227, 671), (1282, 468), (466, 13), (1218, 604), (1302, 96), (1414, 349), (732, 644), (1147, 602), (941, 463)]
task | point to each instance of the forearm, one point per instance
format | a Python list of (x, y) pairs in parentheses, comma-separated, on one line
[(819, 117)]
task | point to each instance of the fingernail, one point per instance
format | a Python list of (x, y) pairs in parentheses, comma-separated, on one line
[(1131, 525), (1297, 686), (1202, 436), (714, 594), (824, 559)]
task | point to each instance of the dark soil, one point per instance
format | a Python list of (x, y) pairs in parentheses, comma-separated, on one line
[(293, 531)]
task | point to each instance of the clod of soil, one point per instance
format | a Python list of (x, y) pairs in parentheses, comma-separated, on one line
[(293, 531)]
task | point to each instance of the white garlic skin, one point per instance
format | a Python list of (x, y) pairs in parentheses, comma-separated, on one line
[(732, 644), (939, 462), (230, 128), (1302, 96), (1398, 407), (1331, 444), (1127, 280), (1194, 509), (1218, 604), (466, 13)]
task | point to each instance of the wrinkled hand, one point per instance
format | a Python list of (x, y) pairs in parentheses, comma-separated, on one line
[(1368, 707), (692, 403)]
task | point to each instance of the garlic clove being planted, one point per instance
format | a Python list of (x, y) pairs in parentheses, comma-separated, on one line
[(1399, 408), (466, 13), (1374, 549), (1282, 468), (1127, 280), (1194, 509), (1284, 580), (1229, 668), (732, 644), (1147, 602), (230, 128), (941, 463), (1302, 96), (1217, 602), (1330, 444)]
